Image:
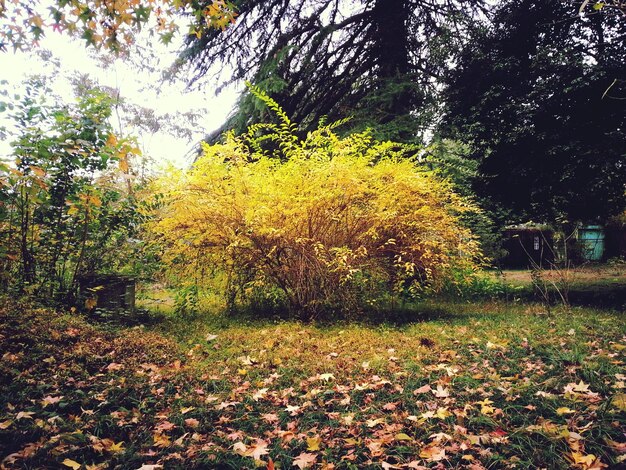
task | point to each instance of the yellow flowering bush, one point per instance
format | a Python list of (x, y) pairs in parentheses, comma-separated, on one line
[(326, 221)]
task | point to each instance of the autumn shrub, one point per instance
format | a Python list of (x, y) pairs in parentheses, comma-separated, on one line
[(328, 222)]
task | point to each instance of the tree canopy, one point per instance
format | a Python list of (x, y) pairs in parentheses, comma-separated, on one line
[(539, 95), (375, 60), (105, 23)]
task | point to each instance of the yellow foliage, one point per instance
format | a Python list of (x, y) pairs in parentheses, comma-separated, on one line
[(325, 222)]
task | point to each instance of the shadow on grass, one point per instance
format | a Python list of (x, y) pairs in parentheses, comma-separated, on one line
[(600, 296), (398, 315)]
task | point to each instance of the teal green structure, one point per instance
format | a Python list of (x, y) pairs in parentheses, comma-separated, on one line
[(591, 238)]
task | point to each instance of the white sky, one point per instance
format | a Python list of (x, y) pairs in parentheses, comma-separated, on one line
[(140, 88)]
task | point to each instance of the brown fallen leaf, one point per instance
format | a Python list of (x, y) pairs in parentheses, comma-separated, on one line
[(433, 453), (192, 422), (423, 389)]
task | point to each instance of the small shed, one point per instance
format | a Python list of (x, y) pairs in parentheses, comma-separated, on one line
[(107, 292), (591, 238), (527, 246)]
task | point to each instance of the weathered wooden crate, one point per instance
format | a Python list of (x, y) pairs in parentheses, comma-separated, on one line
[(107, 292)]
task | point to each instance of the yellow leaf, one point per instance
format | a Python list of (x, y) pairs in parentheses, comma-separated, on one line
[(116, 448), (112, 140), (6, 424), (403, 437), (619, 401), (564, 410), (124, 165), (313, 443), (161, 440), (72, 464)]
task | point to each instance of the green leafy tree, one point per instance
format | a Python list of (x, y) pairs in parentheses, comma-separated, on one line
[(537, 95), (59, 202)]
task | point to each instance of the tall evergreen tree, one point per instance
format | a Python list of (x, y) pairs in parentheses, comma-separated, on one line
[(375, 60), (539, 93)]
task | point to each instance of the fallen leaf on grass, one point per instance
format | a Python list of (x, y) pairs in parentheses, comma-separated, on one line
[(72, 464), (304, 460), (424, 389), (586, 462), (255, 451), (433, 453), (247, 360), (416, 465), (388, 466), (116, 448), (619, 401), (192, 422), (485, 406), (390, 406), (6, 424), (161, 440), (580, 387), (240, 448), (313, 443), (260, 394), (374, 422), (619, 447), (258, 450), (50, 400), (441, 392)]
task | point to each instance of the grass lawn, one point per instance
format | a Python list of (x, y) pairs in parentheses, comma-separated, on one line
[(449, 385), (599, 285)]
